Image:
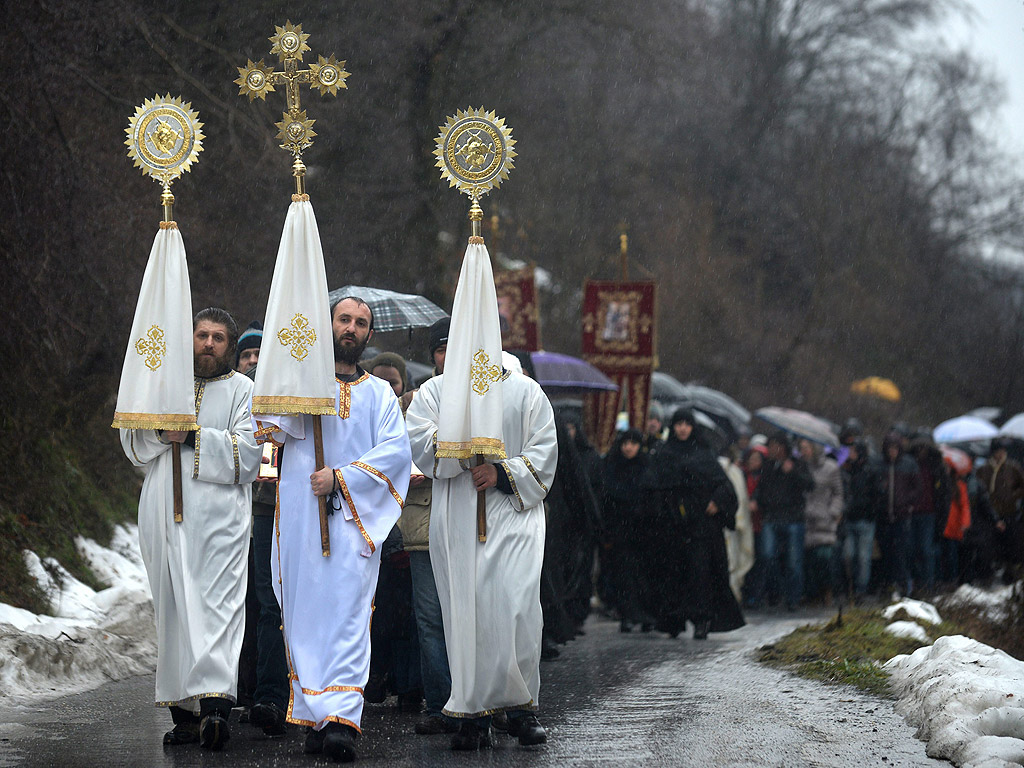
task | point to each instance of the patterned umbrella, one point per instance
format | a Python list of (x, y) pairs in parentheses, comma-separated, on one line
[(799, 423), (393, 311)]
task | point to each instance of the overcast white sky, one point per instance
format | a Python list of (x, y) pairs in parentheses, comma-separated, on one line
[(996, 36)]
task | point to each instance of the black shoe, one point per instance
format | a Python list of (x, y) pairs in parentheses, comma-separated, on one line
[(270, 718), (213, 731), (376, 689), (431, 725), (500, 722), (182, 733), (339, 742), (548, 650), (472, 737), (527, 729), (410, 702), (314, 743), (701, 629)]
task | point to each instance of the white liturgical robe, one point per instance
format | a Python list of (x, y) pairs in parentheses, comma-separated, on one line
[(327, 602), (490, 591), (197, 568)]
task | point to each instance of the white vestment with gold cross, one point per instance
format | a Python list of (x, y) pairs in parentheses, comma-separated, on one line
[(327, 602), (490, 591), (197, 568)]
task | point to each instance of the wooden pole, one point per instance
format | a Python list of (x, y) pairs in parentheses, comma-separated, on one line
[(176, 477), (318, 450), (481, 509)]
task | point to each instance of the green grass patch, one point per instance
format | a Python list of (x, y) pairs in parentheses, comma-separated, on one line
[(58, 490), (848, 650)]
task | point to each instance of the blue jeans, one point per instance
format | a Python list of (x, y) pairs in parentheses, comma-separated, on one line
[(434, 672), (857, 549), (922, 550), (271, 665), (788, 537)]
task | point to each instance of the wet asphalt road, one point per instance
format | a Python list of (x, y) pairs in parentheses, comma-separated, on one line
[(610, 699)]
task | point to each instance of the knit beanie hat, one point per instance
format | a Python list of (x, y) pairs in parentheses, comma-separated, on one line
[(251, 338), (439, 334)]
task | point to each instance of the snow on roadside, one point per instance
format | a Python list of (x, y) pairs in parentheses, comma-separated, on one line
[(93, 637), (966, 700)]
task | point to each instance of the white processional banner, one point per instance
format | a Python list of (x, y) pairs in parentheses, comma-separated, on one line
[(157, 389), (296, 370), (471, 405)]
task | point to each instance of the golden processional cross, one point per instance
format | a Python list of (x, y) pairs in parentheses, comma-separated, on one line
[(256, 80)]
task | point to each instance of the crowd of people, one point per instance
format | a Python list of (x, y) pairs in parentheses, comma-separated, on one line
[(659, 533)]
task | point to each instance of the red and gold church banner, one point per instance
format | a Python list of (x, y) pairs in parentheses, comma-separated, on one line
[(518, 309), (619, 339)]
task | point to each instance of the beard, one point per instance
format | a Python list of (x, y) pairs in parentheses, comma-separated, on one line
[(349, 355), (208, 366)]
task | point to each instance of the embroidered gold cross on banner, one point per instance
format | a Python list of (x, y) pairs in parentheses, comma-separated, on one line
[(482, 373), (300, 337), (152, 347)]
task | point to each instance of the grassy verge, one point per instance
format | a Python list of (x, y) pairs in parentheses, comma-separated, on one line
[(848, 650), (57, 490)]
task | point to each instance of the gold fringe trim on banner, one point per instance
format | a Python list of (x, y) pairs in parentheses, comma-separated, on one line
[(476, 240), (300, 198), (312, 406), (478, 446), (177, 422), (168, 225)]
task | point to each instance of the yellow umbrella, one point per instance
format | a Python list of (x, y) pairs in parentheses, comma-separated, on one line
[(884, 389)]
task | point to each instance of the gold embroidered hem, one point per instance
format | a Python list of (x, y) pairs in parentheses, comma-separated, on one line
[(378, 474), (337, 688), (322, 723), (352, 508), (179, 422), (482, 446), (529, 706), (312, 406), (184, 703)]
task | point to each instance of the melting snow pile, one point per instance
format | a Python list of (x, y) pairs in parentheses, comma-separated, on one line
[(919, 612), (966, 700), (93, 637)]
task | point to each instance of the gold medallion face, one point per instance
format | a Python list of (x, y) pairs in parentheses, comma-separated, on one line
[(164, 137), (474, 151)]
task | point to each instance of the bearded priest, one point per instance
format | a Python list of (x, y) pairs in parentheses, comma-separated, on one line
[(327, 602), (197, 567)]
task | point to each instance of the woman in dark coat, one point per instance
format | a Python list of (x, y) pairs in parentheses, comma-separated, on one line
[(626, 511), (690, 568)]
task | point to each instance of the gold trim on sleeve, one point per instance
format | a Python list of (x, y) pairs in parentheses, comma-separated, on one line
[(512, 482), (533, 472), (234, 453), (131, 442), (378, 474), (195, 457), (352, 507)]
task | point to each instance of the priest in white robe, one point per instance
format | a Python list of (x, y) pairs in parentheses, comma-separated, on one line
[(197, 567), (490, 591), (327, 602)]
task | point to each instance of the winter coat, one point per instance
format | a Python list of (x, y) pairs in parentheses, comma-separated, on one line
[(415, 520), (900, 488), (1005, 486), (782, 496), (824, 505), (863, 490)]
